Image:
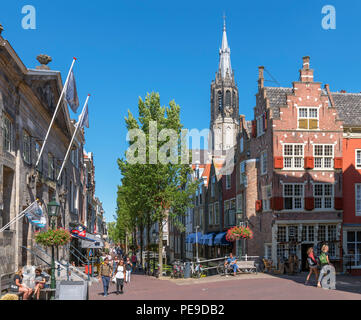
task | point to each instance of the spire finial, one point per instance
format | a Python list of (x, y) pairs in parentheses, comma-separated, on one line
[(224, 21)]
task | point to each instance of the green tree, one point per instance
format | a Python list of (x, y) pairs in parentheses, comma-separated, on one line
[(157, 190)]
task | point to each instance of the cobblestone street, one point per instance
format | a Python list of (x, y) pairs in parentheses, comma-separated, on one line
[(244, 287)]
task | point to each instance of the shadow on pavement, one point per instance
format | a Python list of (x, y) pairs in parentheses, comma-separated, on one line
[(344, 282)]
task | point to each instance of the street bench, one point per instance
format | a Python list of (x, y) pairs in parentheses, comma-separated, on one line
[(46, 293), (5, 281), (247, 266)]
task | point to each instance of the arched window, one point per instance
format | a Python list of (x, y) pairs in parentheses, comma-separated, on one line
[(228, 98), (220, 100)]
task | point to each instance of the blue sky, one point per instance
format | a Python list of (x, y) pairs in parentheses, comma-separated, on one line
[(128, 48)]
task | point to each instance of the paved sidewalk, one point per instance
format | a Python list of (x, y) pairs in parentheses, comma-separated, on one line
[(243, 287)]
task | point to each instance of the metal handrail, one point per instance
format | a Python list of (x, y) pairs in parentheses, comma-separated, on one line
[(71, 248), (33, 253)]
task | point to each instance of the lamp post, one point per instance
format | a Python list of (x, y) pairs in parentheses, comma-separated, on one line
[(53, 212), (197, 227)]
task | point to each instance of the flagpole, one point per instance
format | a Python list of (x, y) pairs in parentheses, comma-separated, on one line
[(72, 139), (18, 217), (55, 113)]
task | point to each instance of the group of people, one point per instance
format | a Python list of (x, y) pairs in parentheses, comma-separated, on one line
[(18, 286), (313, 264), (116, 269)]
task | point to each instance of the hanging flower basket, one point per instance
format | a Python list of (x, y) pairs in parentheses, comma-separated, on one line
[(59, 237), (238, 233)]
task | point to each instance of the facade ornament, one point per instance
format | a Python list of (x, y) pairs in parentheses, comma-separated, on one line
[(44, 61)]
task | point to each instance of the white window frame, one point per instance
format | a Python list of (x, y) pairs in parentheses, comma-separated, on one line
[(293, 196), (308, 117), (323, 157), (358, 200), (263, 160), (293, 156), (357, 164), (260, 130), (356, 245), (323, 197)]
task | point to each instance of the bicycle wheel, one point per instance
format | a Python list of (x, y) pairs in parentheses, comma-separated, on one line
[(221, 269)]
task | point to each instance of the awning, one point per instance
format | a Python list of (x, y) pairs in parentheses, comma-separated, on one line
[(194, 237), (92, 241), (207, 239), (220, 239)]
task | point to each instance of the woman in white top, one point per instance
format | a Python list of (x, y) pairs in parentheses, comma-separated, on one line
[(119, 276)]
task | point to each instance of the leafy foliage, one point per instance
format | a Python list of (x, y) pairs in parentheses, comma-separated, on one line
[(59, 237)]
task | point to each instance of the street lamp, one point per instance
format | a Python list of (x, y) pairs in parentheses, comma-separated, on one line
[(53, 212)]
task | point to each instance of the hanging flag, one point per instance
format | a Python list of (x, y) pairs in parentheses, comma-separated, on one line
[(84, 118), (35, 215), (71, 93)]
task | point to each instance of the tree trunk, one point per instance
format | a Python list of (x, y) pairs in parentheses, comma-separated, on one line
[(141, 243), (148, 242), (160, 249), (126, 243)]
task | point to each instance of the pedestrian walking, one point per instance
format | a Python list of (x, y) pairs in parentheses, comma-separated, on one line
[(312, 264), (115, 263), (134, 261), (119, 276), (324, 261), (128, 268), (105, 274)]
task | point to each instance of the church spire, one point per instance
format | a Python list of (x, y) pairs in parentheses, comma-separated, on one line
[(225, 55)]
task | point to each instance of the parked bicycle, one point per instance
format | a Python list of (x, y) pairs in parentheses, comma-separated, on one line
[(178, 270), (198, 271)]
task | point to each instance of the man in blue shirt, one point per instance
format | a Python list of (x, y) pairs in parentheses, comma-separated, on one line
[(232, 262)]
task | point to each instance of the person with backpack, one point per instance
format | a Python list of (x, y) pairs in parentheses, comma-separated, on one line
[(312, 264), (134, 261), (324, 261)]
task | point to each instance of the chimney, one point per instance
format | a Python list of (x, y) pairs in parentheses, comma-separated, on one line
[(1, 29), (306, 74), (44, 60), (260, 77)]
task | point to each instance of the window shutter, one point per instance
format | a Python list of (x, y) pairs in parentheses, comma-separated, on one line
[(258, 205), (278, 162), (277, 203), (309, 163), (254, 129), (338, 163), (302, 124), (313, 124), (338, 203), (309, 203)]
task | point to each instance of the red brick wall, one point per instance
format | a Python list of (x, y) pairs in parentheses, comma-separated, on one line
[(351, 175)]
